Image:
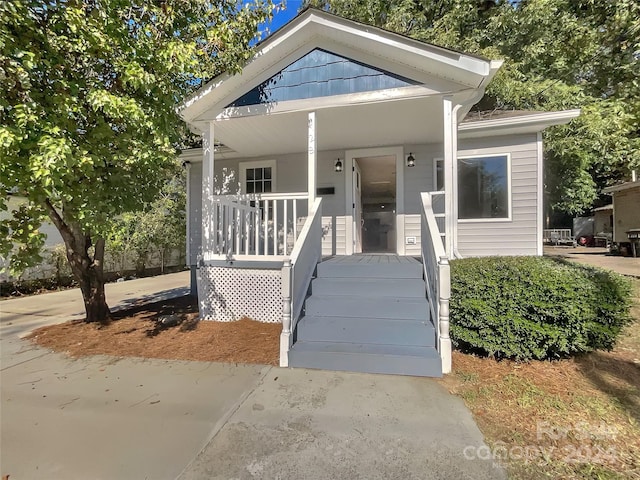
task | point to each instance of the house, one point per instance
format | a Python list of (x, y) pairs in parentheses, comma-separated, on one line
[(626, 214), (356, 175)]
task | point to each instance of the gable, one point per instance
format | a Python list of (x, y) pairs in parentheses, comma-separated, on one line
[(321, 73), (377, 63)]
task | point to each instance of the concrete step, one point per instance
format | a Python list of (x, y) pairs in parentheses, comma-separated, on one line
[(367, 307), (350, 357), (331, 269), (376, 287), (377, 331)]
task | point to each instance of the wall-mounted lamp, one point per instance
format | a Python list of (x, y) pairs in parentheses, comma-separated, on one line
[(338, 166), (411, 161)]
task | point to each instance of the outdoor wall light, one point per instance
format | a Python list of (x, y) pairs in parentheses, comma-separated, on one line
[(338, 166), (411, 161)]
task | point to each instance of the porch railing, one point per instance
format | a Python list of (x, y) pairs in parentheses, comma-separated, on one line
[(438, 208), (437, 277), (265, 225), (297, 272)]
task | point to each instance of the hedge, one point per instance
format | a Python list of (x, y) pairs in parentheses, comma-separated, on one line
[(535, 307)]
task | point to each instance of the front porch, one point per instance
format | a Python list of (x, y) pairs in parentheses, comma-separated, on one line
[(381, 313), (334, 130)]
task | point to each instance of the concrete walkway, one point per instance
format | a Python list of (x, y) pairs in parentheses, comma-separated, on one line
[(20, 316), (104, 417)]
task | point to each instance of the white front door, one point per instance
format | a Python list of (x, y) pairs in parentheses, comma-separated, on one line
[(357, 208)]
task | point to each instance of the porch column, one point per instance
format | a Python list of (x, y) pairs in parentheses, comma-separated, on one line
[(312, 159), (450, 187), (208, 226)]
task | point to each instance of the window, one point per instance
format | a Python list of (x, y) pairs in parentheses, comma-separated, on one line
[(438, 174), (483, 187), (258, 177)]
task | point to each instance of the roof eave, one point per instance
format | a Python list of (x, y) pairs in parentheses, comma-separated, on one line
[(534, 122), (623, 186)]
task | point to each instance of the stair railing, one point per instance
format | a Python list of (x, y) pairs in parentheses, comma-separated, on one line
[(437, 277), (297, 272)]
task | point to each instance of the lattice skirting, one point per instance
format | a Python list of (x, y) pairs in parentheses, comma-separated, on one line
[(228, 294)]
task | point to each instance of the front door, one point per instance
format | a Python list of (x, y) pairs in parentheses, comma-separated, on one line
[(376, 200), (358, 220)]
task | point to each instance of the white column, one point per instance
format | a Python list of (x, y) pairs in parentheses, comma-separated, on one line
[(208, 227), (312, 159), (450, 187), (187, 166), (539, 195)]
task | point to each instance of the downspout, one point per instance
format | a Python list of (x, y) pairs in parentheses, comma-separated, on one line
[(493, 68)]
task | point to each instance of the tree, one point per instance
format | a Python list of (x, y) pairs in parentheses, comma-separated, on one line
[(558, 54), (159, 227), (88, 128)]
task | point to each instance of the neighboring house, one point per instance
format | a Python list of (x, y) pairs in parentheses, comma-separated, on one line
[(603, 221), (626, 212), (348, 140), (52, 238)]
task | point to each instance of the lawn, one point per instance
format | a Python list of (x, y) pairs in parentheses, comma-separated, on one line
[(577, 418)]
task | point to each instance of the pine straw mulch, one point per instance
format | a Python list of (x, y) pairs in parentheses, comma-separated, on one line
[(566, 419), (137, 332)]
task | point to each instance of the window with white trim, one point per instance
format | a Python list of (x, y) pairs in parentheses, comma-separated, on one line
[(484, 187), (258, 177)]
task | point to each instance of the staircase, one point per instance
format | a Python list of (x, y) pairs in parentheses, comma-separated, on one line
[(367, 313)]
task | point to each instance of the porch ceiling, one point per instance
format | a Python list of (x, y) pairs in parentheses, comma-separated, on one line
[(341, 127)]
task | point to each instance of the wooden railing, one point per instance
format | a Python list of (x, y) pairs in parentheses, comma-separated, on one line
[(297, 272), (437, 277), (259, 225)]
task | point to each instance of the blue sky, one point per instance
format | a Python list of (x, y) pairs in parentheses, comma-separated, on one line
[(291, 10)]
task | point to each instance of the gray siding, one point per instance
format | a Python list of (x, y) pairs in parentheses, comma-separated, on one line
[(519, 236), (417, 179)]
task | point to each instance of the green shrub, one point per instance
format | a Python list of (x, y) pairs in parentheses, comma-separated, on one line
[(535, 307)]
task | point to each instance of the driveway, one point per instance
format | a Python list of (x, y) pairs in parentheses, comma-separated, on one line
[(105, 417), (597, 257)]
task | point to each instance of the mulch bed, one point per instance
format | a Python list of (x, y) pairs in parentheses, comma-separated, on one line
[(139, 332)]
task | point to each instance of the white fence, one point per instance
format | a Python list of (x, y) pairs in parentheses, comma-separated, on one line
[(54, 264)]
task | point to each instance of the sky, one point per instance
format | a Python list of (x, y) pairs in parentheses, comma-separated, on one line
[(279, 19)]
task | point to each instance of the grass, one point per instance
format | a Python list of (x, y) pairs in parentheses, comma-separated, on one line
[(568, 419)]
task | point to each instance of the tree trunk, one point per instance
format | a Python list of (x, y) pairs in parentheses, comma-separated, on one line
[(91, 282), (89, 272)]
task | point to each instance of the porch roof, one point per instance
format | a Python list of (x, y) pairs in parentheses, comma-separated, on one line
[(435, 70)]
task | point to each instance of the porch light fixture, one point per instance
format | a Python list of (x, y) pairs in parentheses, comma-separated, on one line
[(338, 166), (411, 161)]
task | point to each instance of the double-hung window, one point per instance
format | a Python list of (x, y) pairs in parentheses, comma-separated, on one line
[(258, 177)]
